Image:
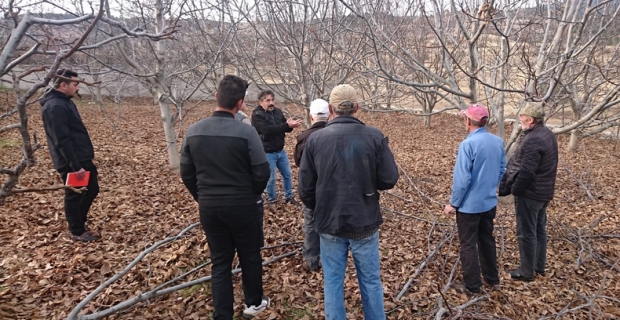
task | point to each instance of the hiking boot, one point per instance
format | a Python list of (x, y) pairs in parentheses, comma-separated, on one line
[(306, 268), (251, 311), (461, 288), (516, 275), (91, 231), (292, 201), (84, 237)]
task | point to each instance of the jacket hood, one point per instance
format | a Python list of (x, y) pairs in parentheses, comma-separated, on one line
[(53, 94)]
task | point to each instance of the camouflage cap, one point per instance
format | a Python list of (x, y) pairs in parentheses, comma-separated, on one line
[(533, 109)]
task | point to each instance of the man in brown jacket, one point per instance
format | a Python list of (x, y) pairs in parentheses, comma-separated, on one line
[(530, 177), (319, 114)]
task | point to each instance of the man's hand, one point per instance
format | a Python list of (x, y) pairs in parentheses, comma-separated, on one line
[(449, 210), (292, 123), (80, 174)]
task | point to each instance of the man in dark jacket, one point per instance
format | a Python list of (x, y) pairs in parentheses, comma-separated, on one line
[(224, 167), (530, 177), (343, 167), (71, 150), (319, 114), (272, 126)]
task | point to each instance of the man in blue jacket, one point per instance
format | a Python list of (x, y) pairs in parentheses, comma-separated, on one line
[(71, 149), (480, 165), (343, 168)]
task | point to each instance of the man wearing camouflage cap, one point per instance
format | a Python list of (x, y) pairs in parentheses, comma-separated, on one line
[(343, 167), (530, 177)]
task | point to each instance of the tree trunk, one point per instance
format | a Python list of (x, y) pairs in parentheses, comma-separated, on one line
[(167, 118), (427, 121), (174, 159), (573, 142), (98, 96)]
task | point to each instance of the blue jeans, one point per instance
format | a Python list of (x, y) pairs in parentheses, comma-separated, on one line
[(280, 161), (366, 256)]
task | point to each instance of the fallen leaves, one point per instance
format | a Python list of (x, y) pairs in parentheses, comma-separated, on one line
[(43, 274)]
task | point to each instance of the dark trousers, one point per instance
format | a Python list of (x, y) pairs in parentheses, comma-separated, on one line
[(261, 212), (228, 229), (311, 249), (78, 204), (532, 235), (477, 248)]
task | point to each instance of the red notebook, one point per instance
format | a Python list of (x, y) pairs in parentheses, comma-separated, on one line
[(73, 181)]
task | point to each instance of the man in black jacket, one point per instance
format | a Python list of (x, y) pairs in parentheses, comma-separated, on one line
[(224, 167), (272, 126), (319, 114), (343, 167), (530, 177), (71, 149)]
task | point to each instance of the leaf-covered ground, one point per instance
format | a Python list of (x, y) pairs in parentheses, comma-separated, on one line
[(43, 274)]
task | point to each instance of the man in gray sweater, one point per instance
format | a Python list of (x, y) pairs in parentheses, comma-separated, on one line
[(224, 167)]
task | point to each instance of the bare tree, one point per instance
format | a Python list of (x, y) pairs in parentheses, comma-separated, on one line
[(292, 48), (52, 41), (574, 54), (174, 70)]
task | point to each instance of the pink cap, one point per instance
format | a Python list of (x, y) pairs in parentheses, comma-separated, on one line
[(476, 112)]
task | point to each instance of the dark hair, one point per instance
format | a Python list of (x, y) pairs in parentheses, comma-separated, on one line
[(66, 76), (481, 123), (230, 90), (265, 93)]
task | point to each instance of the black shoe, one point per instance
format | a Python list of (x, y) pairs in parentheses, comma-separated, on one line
[(271, 201), (84, 237), (292, 201), (540, 273), (516, 275), (461, 288)]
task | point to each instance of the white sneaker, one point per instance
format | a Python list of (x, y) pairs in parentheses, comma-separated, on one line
[(251, 311)]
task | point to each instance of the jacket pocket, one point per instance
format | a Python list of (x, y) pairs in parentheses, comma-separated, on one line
[(505, 186)]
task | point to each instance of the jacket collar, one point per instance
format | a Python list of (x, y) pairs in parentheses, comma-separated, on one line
[(344, 119), (481, 129), (223, 114), (536, 126), (318, 124)]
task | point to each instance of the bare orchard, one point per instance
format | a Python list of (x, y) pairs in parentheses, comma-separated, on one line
[(45, 275)]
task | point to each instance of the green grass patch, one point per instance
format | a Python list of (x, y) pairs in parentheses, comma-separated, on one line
[(298, 313), (9, 143), (193, 289)]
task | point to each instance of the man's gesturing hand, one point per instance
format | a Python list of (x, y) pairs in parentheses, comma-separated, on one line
[(292, 123)]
